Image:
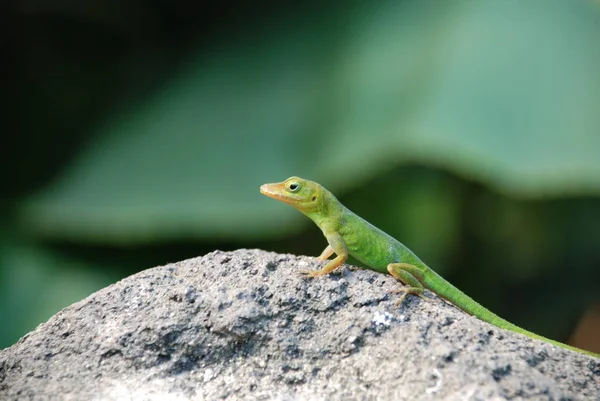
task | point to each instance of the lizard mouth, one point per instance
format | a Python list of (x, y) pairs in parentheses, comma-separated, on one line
[(273, 191)]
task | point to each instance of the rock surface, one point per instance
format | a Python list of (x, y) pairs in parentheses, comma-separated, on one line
[(246, 325)]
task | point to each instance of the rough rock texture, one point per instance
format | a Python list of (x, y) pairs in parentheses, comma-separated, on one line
[(246, 325)]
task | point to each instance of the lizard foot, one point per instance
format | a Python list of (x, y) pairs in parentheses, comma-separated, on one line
[(405, 291), (311, 273)]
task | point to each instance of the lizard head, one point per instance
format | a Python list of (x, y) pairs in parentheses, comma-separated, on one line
[(303, 194)]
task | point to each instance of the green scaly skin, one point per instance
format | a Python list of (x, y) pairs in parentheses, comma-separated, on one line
[(348, 234)]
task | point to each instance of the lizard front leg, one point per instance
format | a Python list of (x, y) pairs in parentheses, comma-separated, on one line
[(337, 246), (327, 252)]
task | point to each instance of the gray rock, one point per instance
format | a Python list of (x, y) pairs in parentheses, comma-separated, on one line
[(246, 325)]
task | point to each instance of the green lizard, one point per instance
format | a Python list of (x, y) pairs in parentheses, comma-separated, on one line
[(348, 234)]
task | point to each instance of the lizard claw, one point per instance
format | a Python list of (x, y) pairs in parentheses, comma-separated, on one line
[(401, 299), (313, 273), (405, 291)]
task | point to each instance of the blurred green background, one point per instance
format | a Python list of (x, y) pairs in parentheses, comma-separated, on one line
[(137, 133)]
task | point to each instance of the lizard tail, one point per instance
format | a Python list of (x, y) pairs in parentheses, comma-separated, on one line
[(444, 289)]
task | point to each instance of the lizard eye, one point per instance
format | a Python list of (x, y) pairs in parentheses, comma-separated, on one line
[(293, 186)]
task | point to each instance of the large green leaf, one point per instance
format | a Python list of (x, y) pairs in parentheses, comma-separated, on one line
[(504, 92)]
